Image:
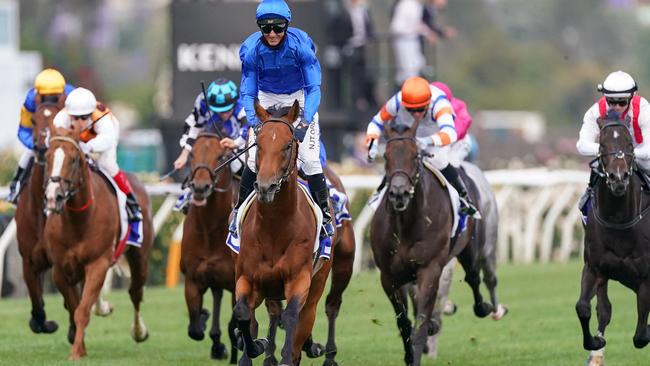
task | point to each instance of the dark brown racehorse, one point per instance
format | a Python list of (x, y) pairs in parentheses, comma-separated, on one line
[(411, 239), (30, 220), (342, 262), (205, 260), (81, 230), (277, 243), (616, 235)]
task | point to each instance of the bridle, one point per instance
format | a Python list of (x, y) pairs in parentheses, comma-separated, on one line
[(68, 185), (40, 150), (289, 168), (412, 178), (620, 154), (214, 176)]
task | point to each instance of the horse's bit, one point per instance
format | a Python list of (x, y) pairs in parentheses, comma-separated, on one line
[(413, 179), (69, 188)]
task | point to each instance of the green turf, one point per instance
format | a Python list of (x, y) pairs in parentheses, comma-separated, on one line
[(541, 328)]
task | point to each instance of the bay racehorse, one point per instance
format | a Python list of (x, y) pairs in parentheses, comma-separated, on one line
[(277, 243), (411, 239), (30, 221), (616, 235), (81, 230), (206, 262), (342, 262)]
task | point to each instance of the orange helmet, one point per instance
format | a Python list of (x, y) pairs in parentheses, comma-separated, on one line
[(416, 92)]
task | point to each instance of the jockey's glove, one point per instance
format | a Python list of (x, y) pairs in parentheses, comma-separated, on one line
[(300, 130), (373, 151), (240, 142), (85, 147), (424, 142)]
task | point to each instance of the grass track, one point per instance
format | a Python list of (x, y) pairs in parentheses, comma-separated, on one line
[(541, 328)]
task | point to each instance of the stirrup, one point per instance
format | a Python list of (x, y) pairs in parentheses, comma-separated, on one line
[(232, 226), (327, 228), (468, 208), (12, 197), (133, 212)]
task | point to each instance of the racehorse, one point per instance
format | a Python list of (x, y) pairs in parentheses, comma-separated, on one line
[(342, 263), (277, 243), (81, 229), (411, 239), (205, 260), (616, 235), (30, 221)]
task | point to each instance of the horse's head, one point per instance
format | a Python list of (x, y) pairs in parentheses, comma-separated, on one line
[(65, 168), (43, 120), (207, 154), (403, 162), (616, 155), (277, 149)]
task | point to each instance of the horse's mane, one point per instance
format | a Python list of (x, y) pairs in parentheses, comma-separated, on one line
[(278, 110)]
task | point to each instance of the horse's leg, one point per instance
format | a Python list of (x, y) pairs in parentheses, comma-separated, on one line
[(219, 351), (94, 280), (489, 270), (398, 300), (428, 281), (441, 299), (642, 333), (588, 285), (469, 259), (103, 307), (295, 318), (138, 265), (194, 301), (604, 313), (70, 299), (34, 281), (341, 274), (274, 309), (247, 299)]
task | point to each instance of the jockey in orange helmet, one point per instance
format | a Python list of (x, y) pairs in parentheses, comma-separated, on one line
[(100, 130), (49, 87), (420, 101)]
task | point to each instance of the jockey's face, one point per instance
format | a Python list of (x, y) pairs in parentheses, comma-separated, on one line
[(618, 105), (224, 116), (273, 33), (418, 113), (80, 119)]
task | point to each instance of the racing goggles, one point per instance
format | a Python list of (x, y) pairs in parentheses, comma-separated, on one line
[(416, 110), (277, 28), (83, 117), (617, 101)]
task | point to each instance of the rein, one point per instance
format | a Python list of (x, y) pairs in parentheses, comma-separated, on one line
[(289, 168), (214, 174), (413, 179), (71, 188)]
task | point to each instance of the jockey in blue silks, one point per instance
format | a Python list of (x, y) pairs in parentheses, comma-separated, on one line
[(279, 66)]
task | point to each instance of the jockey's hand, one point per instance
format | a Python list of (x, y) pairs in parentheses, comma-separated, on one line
[(227, 143), (181, 160), (300, 130), (85, 147), (424, 142), (370, 137), (373, 151)]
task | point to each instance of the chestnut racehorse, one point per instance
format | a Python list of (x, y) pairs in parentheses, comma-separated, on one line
[(277, 243), (206, 262), (30, 220), (81, 230)]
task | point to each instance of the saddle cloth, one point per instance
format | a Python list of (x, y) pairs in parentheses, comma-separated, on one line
[(233, 241), (459, 220), (130, 232)]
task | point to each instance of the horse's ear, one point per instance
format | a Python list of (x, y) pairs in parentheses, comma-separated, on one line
[(261, 113), (601, 122), (294, 112)]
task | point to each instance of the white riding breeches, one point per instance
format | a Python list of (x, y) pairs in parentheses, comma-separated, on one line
[(107, 160), (25, 157), (308, 150), (440, 158), (459, 150)]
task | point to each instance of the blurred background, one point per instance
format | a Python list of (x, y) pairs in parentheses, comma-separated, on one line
[(528, 70)]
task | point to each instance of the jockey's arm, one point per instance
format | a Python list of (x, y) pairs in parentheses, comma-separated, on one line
[(587, 144), (26, 128), (311, 74), (249, 86), (642, 151), (240, 141), (106, 135), (194, 124), (387, 112), (442, 113)]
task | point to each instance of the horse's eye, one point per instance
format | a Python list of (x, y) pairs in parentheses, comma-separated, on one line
[(288, 147)]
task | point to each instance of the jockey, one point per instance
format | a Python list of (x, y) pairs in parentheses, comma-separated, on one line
[(619, 95), (460, 149), (225, 111), (49, 86), (279, 66), (420, 101), (99, 134)]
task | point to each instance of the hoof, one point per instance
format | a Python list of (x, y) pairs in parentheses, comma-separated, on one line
[(450, 308), (71, 333), (47, 327), (640, 342), (329, 362), (595, 343), (104, 309), (260, 346), (499, 313), (483, 309), (218, 351), (195, 334), (141, 336), (434, 327), (595, 360), (270, 361), (315, 350)]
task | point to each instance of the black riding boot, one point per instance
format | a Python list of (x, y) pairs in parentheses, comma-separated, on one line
[(246, 186), (593, 179), (16, 185), (320, 193), (454, 178), (133, 210)]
